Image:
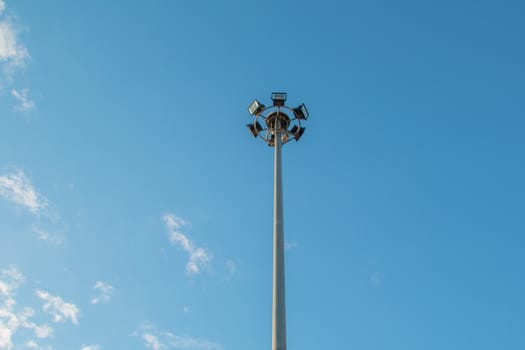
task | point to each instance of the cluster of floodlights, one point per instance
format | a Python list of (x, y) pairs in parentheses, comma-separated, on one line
[(277, 122)]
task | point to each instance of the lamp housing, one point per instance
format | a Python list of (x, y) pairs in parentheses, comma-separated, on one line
[(256, 108), (278, 98), (252, 130), (299, 133), (301, 112), (255, 128)]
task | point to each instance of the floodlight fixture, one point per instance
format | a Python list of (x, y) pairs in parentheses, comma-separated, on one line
[(301, 112), (278, 98), (299, 133), (252, 129), (256, 108), (255, 128)]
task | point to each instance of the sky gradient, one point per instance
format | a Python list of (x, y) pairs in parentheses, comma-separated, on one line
[(136, 209)]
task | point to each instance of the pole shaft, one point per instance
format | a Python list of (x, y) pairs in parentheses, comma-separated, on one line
[(279, 306)]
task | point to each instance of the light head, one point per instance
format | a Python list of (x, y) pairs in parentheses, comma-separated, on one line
[(256, 108), (301, 112), (255, 128), (297, 132), (278, 98)]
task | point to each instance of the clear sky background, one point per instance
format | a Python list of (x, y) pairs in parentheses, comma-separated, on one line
[(136, 209)]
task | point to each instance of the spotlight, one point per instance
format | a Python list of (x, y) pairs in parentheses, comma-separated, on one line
[(278, 98), (294, 129), (252, 130), (299, 133), (301, 112), (258, 127), (255, 128), (256, 108)]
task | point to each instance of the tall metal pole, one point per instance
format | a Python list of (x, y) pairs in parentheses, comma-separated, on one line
[(279, 305), (280, 130)]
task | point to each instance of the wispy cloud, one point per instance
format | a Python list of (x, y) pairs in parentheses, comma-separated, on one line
[(13, 54), (198, 257), (25, 104), (90, 347), (11, 320), (231, 266), (58, 308), (31, 344), (105, 292), (152, 342), (15, 187), (158, 339), (47, 236), (13, 58), (187, 342), (290, 245), (229, 269), (15, 276)]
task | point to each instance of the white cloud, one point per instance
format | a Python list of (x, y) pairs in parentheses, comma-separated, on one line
[(157, 339), (24, 103), (16, 188), (187, 342), (13, 57), (14, 275), (47, 236), (198, 257), (231, 266), (11, 320), (105, 292), (5, 336), (290, 245), (174, 222), (43, 331), (32, 344), (13, 54), (152, 342), (90, 347), (58, 308)]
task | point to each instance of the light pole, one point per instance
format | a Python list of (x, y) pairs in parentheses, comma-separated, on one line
[(279, 130)]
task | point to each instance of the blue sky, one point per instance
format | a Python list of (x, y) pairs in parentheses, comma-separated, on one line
[(136, 210)]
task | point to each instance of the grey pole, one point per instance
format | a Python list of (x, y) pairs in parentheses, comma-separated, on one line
[(279, 305), (279, 130)]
